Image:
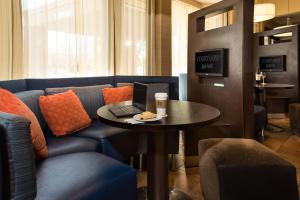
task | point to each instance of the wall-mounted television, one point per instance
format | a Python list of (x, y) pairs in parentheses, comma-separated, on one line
[(272, 63), (211, 63)]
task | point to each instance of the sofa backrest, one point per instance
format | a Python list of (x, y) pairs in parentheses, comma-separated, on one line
[(42, 84), (31, 99), (29, 90), (14, 85)]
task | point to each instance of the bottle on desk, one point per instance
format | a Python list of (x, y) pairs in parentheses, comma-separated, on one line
[(258, 77)]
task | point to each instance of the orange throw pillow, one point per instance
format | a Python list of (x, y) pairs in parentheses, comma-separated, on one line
[(9, 103), (116, 95), (64, 113)]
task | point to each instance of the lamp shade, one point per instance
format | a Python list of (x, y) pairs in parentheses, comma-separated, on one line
[(264, 11)]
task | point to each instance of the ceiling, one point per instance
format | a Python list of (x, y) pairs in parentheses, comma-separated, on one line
[(208, 1)]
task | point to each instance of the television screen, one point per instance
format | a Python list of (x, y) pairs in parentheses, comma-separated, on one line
[(272, 63), (210, 62)]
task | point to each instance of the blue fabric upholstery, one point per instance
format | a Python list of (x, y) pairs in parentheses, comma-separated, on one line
[(14, 85), (31, 99), (98, 131), (42, 84), (90, 96), (17, 158), (85, 176), (115, 142), (172, 81), (110, 150), (65, 145)]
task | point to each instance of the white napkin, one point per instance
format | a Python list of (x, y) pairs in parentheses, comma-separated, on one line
[(132, 121)]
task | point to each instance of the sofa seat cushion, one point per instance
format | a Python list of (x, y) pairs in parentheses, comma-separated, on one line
[(99, 130), (115, 142), (64, 145), (85, 176)]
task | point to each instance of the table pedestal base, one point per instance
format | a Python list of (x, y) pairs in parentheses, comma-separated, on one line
[(174, 194)]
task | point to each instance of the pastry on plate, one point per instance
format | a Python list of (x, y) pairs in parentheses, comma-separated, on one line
[(147, 115)]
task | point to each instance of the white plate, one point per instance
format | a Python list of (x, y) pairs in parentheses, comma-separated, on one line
[(137, 118)]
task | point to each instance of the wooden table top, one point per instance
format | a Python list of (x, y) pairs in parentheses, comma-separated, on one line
[(274, 86), (181, 114)]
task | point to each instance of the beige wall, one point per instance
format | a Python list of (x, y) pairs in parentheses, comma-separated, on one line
[(282, 6)]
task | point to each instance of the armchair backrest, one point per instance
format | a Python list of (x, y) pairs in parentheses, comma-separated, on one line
[(17, 167)]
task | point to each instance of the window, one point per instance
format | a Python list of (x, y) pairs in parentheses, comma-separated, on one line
[(131, 37), (66, 38)]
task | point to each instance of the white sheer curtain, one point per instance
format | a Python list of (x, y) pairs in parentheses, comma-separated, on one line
[(180, 11), (131, 21), (10, 40), (66, 38)]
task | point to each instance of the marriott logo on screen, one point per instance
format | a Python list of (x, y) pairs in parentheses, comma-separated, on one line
[(212, 58)]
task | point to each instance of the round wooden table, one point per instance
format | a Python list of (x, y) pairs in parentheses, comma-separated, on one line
[(181, 114)]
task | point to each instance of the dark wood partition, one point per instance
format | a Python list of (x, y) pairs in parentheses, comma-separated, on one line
[(278, 100), (232, 94)]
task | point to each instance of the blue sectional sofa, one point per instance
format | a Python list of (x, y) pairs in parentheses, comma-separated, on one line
[(83, 165)]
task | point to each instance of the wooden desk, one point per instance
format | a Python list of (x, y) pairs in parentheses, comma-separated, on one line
[(263, 102), (268, 86)]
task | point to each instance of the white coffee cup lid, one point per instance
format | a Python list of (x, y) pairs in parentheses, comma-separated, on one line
[(161, 95)]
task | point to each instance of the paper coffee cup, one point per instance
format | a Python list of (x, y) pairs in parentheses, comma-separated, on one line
[(161, 104)]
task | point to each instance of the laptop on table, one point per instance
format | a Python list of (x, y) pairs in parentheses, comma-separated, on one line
[(138, 102)]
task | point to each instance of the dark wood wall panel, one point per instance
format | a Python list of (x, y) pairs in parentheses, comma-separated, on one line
[(290, 76), (235, 99)]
